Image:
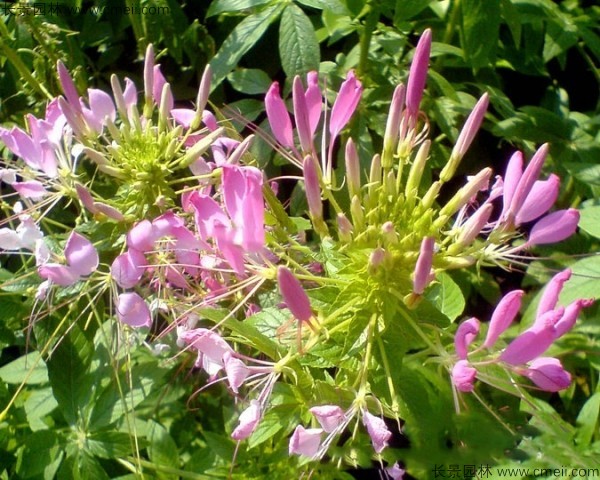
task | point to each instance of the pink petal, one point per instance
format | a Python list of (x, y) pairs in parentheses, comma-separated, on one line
[(539, 201), (236, 371), (30, 189), (465, 334), (529, 177), (142, 237), (293, 294), (130, 93), (133, 311), (81, 255), (534, 341), (305, 441), (567, 321), (278, 116), (377, 430), (554, 227), (9, 239), (301, 115), (312, 187), (128, 268), (183, 116), (345, 104), (552, 291), (59, 274), (463, 376), (248, 421), (504, 314), (329, 416), (101, 105), (68, 87), (314, 101), (548, 374), (208, 343)]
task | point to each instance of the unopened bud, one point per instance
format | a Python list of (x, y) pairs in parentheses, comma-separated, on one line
[(416, 170), (345, 228), (352, 168), (466, 193), (358, 216), (392, 127), (375, 260), (389, 233), (375, 175)]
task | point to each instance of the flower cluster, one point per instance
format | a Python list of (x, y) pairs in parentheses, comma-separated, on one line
[(523, 354)]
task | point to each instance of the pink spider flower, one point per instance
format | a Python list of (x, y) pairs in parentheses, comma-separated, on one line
[(523, 355)]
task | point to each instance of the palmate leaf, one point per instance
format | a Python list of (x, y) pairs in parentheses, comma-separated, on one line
[(298, 45), (240, 41)]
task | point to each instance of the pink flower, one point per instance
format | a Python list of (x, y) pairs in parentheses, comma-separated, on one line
[(330, 417), (294, 295), (305, 441), (471, 127), (377, 430), (248, 421), (552, 291), (133, 310)]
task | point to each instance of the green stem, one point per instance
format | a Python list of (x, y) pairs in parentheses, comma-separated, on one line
[(388, 375), (365, 39)]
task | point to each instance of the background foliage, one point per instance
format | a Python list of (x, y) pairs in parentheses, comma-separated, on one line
[(79, 398)]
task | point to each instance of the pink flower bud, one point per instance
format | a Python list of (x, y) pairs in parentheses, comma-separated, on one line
[(465, 334), (314, 101), (548, 374), (504, 314), (552, 291), (329, 416), (473, 226), (377, 430), (418, 73), (305, 441), (149, 73), (68, 87), (422, 273), (514, 171), (278, 116), (248, 421), (463, 376), (471, 127), (554, 227), (293, 294)]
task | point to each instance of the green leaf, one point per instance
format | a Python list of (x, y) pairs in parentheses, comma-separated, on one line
[(560, 36), (446, 295), (162, 449), (298, 45), (240, 41), (480, 27), (40, 456), (229, 6), (406, 9), (29, 369), (109, 444), (510, 15), (585, 172), (39, 404), (249, 80), (336, 6), (587, 420), (67, 370), (589, 220)]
